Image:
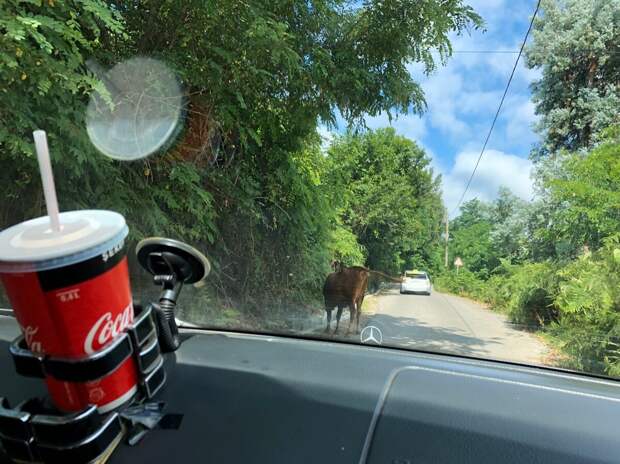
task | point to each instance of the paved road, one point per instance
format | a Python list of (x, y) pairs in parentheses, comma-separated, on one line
[(448, 323)]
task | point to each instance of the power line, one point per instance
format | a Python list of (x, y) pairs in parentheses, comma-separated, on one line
[(499, 108), (485, 51), (514, 52)]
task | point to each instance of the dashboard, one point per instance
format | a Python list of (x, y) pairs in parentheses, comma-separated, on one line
[(247, 398)]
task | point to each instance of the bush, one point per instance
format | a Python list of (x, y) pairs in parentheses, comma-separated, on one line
[(589, 303), (464, 283), (526, 293), (577, 303)]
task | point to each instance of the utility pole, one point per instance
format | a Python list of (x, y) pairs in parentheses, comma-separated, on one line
[(447, 238)]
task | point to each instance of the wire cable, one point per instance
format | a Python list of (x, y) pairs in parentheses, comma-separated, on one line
[(499, 108), (486, 51)]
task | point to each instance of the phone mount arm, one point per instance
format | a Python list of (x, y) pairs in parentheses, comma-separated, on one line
[(172, 264)]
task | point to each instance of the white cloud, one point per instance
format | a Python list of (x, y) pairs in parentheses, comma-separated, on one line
[(413, 127), (435, 164), (520, 120), (501, 64), (410, 126), (443, 90), (486, 6), (480, 102), (496, 169), (468, 88)]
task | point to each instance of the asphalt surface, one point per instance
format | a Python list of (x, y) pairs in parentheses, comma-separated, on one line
[(447, 323)]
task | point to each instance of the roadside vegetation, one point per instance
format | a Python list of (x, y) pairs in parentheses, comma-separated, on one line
[(553, 264)]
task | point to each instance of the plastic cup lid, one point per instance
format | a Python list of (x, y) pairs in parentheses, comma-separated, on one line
[(32, 245)]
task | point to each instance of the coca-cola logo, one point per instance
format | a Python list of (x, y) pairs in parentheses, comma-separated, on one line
[(107, 329), (29, 334)]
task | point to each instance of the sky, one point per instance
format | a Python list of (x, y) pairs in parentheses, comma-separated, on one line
[(462, 99)]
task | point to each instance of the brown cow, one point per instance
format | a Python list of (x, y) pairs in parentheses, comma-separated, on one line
[(345, 287)]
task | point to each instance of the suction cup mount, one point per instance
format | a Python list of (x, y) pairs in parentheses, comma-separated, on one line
[(172, 264)]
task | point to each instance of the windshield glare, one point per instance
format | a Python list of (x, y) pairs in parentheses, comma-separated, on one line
[(317, 153)]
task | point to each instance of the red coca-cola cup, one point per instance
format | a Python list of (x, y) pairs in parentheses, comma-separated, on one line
[(71, 296)]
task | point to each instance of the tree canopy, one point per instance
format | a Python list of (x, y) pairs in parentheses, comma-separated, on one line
[(246, 180), (576, 45), (588, 196), (389, 197)]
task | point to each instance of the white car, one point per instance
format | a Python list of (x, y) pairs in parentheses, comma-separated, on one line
[(416, 282)]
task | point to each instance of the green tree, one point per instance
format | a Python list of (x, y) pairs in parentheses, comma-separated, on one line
[(587, 196), (511, 235), (245, 181), (577, 46), (388, 195), (470, 237), (260, 76), (44, 83), (486, 233), (541, 245), (473, 212)]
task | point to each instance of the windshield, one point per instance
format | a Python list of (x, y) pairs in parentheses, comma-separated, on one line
[(415, 275), (318, 153)]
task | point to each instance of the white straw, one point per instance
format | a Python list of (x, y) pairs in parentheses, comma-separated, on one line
[(47, 177)]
